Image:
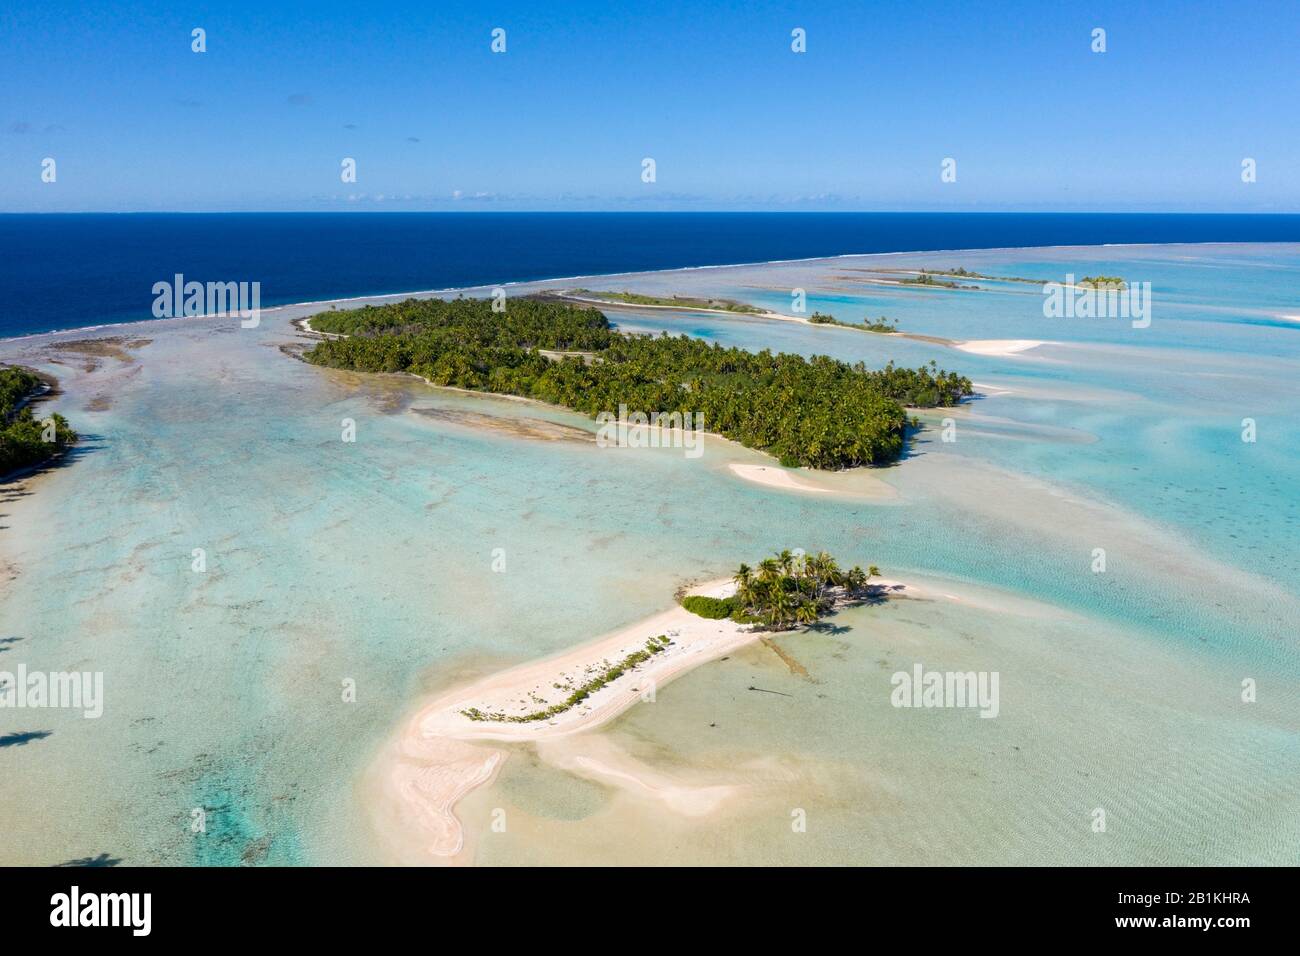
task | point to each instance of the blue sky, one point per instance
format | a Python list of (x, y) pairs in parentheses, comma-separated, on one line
[(732, 117)]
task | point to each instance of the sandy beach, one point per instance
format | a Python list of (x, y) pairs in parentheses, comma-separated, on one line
[(998, 346), (304, 325), (773, 477), (860, 484), (442, 754)]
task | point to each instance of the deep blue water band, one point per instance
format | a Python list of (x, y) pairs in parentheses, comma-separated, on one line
[(68, 271)]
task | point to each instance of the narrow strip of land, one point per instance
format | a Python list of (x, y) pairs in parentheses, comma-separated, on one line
[(452, 745)]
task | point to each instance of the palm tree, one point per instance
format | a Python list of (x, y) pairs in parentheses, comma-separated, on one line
[(807, 613), (780, 608), (828, 569), (745, 585), (768, 569), (786, 560)]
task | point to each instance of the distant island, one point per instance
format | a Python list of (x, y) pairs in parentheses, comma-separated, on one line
[(883, 325), (1103, 283), (677, 301), (818, 412), (964, 273), (26, 441), (937, 278), (928, 279)]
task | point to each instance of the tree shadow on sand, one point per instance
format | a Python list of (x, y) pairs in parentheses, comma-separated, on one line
[(11, 487), (880, 593), (93, 861), (23, 738), (826, 627), (870, 596)]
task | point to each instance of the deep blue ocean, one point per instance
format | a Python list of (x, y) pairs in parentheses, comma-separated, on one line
[(69, 271)]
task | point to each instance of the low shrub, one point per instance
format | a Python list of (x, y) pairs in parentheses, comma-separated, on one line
[(715, 609)]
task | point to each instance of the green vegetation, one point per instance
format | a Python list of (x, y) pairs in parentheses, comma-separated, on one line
[(881, 325), (785, 591), (928, 279), (935, 277), (817, 412), (1104, 282), (22, 436), (16, 384), (680, 301), (960, 272), (963, 273), (715, 609), (653, 646)]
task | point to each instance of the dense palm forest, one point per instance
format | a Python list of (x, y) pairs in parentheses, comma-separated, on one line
[(22, 435), (817, 412)]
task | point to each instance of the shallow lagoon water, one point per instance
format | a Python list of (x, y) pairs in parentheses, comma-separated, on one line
[(372, 562)]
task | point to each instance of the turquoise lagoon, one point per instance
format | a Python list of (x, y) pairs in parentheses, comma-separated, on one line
[(371, 562)]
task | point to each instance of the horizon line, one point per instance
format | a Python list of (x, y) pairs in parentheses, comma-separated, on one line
[(643, 212)]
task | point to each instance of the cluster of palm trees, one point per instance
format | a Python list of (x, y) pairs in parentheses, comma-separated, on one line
[(790, 589), (817, 412), (1103, 282), (26, 440)]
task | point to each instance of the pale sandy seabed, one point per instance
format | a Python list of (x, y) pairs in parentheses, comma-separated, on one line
[(372, 562)]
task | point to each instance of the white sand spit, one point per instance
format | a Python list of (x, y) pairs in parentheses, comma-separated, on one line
[(774, 477), (442, 754), (998, 346)]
